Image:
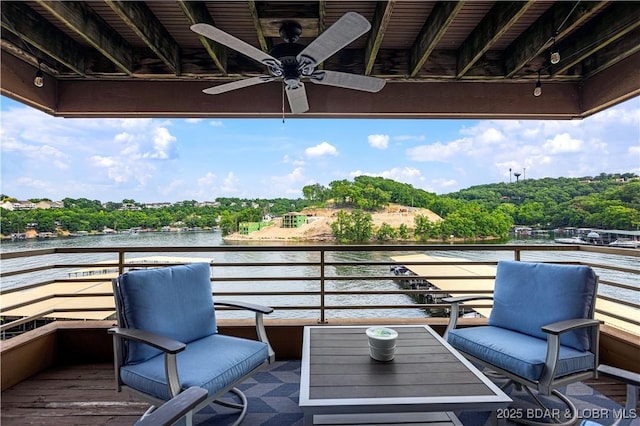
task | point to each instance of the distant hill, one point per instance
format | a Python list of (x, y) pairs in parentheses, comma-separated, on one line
[(605, 201)]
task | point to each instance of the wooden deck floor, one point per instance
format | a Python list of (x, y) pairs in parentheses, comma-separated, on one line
[(85, 395), (73, 395)]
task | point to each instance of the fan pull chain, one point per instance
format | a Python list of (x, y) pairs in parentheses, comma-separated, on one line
[(282, 102)]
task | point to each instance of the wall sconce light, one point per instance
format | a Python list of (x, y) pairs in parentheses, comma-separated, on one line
[(537, 91), (38, 80), (555, 53)]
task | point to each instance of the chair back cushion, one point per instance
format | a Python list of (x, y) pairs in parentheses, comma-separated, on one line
[(175, 302), (528, 296)]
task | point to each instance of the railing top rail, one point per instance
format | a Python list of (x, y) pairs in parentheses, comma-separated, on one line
[(323, 247)]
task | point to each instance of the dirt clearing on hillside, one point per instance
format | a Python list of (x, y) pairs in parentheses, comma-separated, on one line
[(318, 226)]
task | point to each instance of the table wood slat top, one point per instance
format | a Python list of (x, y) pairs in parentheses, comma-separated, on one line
[(339, 376)]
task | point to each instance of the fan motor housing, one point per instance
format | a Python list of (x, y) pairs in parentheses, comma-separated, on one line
[(285, 50)]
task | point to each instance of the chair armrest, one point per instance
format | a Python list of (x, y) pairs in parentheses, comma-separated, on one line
[(174, 409), (243, 305), (159, 342), (259, 310), (553, 347), (626, 376), (453, 316), (568, 325)]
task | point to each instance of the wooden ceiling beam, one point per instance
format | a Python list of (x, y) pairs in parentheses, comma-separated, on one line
[(16, 84), (381, 19), (616, 84), (434, 28), (146, 25), (619, 19), (614, 53), (93, 29), (411, 99), (538, 36), (31, 28), (253, 10), (197, 12), (322, 16), (497, 21)]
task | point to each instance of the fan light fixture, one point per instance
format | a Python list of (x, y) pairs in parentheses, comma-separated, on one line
[(38, 80), (538, 89), (555, 53)]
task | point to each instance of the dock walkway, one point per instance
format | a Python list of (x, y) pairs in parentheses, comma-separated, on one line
[(88, 288), (462, 280)]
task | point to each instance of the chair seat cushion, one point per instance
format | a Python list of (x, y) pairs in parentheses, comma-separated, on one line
[(518, 353), (213, 363)]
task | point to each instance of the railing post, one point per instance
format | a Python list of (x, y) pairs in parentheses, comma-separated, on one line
[(120, 262), (322, 319)]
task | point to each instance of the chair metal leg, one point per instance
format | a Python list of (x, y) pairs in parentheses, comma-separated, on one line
[(571, 410), (242, 405)]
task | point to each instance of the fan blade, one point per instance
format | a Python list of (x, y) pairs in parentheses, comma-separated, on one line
[(348, 81), (234, 43), (297, 96), (345, 30), (223, 88)]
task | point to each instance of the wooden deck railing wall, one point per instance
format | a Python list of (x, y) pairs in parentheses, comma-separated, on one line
[(313, 271)]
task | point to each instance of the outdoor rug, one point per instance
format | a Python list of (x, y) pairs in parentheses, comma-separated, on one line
[(273, 401)]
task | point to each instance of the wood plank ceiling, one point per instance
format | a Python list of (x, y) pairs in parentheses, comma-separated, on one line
[(478, 59)]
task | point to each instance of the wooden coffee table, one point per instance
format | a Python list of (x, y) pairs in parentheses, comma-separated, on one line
[(426, 381)]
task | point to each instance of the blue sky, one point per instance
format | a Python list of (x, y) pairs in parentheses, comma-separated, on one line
[(158, 160)]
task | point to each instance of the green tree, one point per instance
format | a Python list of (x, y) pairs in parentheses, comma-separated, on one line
[(354, 227), (386, 232), (403, 231)]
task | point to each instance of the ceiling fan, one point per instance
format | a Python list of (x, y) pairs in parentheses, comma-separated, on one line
[(292, 62)]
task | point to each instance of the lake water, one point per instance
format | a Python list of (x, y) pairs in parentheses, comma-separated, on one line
[(203, 239)]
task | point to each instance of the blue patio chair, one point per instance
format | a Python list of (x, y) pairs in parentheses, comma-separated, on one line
[(167, 339), (541, 332)]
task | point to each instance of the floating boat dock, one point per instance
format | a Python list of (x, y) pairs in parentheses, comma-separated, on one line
[(463, 280), (67, 299), (454, 280)]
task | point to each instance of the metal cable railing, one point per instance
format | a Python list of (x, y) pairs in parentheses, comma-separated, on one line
[(301, 281)]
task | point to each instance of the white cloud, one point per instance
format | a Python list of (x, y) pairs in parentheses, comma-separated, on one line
[(124, 137), (321, 150), (491, 136), (409, 175), (445, 183), (207, 180), (163, 145), (487, 149), (230, 184), (378, 141), (135, 123), (216, 123), (562, 143), (401, 138), (100, 161), (439, 151)]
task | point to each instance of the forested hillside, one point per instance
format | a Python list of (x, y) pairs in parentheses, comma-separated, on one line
[(605, 201)]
